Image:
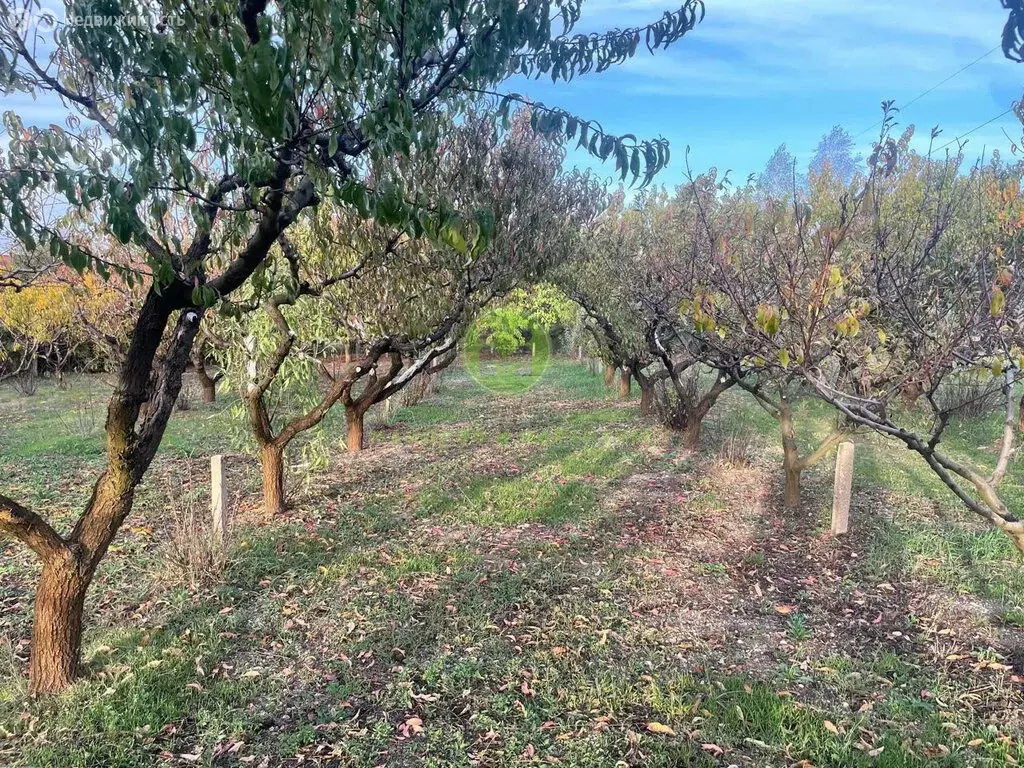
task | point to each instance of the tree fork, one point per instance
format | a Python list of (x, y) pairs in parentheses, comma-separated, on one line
[(694, 419), (207, 383), (793, 464)]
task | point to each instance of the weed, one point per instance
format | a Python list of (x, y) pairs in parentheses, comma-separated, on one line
[(797, 627), (195, 554)]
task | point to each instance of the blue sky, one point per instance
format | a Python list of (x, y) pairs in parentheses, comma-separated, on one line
[(758, 73)]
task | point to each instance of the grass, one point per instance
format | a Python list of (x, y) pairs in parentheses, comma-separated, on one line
[(542, 578)]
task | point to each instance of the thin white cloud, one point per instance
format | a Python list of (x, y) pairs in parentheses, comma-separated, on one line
[(891, 50)]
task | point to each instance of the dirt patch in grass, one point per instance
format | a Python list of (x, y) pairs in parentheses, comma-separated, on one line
[(739, 584)]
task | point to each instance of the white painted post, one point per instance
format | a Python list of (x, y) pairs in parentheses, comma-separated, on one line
[(217, 498), (843, 489)]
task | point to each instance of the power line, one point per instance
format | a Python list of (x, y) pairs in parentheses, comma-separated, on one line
[(976, 128), (936, 86)]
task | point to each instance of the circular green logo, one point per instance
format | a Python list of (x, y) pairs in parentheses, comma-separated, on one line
[(506, 353)]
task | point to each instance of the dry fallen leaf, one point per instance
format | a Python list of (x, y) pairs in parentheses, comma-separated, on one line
[(412, 726), (661, 728)]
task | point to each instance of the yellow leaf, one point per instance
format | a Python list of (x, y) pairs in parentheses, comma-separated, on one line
[(998, 302), (660, 728), (835, 277), (831, 727)]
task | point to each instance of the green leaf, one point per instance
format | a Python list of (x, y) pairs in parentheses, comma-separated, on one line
[(453, 237)]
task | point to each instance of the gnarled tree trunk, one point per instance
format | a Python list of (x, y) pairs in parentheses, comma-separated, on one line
[(691, 430), (137, 415), (694, 418), (272, 473), (207, 384), (646, 398), (646, 384), (790, 457), (609, 374), (355, 439), (57, 626)]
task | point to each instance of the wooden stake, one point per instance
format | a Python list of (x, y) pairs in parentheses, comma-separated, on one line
[(843, 489), (217, 498)]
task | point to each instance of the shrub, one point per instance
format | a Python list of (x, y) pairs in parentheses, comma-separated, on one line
[(736, 446), (671, 405)]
